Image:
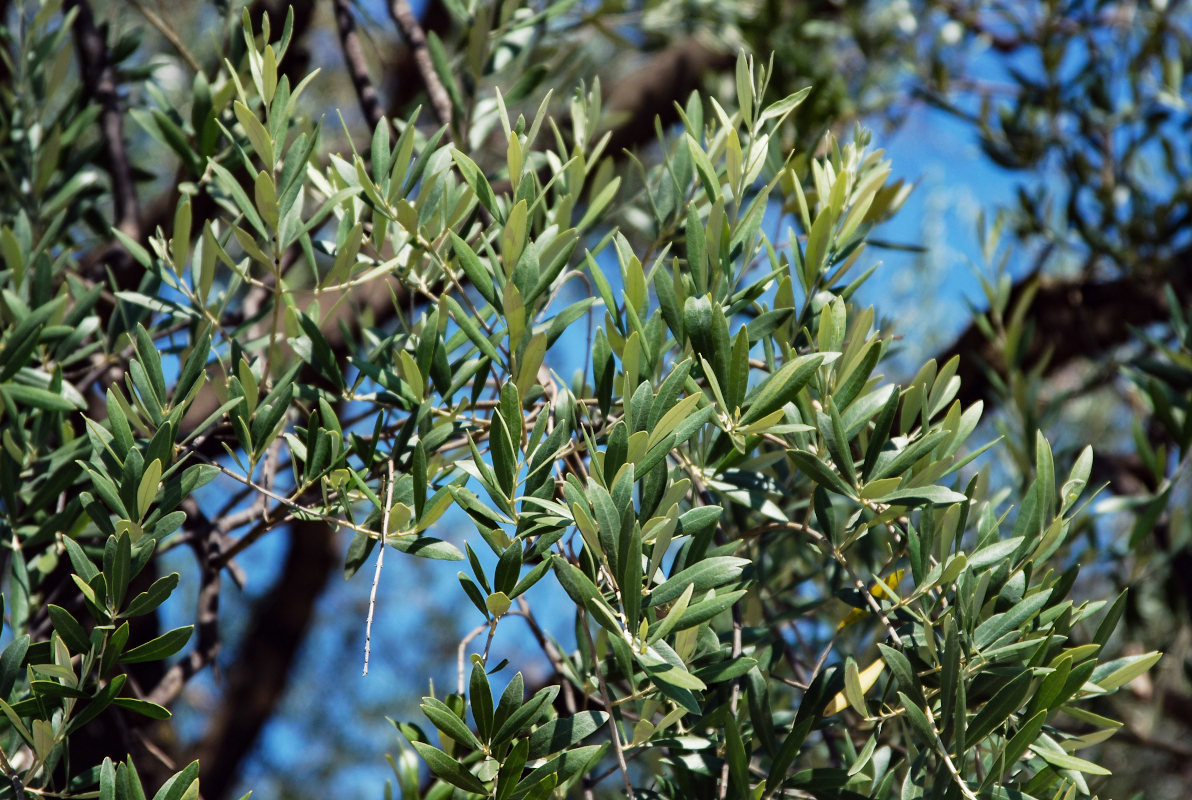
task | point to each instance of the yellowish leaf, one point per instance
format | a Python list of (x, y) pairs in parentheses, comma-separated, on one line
[(867, 677), (880, 589)]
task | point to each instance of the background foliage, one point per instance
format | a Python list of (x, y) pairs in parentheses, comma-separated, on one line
[(586, 322)]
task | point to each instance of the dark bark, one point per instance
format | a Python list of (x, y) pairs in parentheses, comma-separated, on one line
[(412, 31), (1083, 320), (257, 679), (355, 63), (667, 77), (99, 82), (5, 8), (406, 86), (1070, 320)]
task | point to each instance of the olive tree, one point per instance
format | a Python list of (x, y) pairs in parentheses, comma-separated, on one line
[(784, 573)]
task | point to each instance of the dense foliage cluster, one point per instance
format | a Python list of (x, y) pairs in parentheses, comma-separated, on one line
[(756, 564)]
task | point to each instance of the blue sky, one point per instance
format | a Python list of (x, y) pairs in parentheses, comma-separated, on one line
[(953, 182)]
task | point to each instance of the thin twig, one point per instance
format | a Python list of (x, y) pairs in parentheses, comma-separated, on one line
[(612, 713), (372, 595), (151, 747), (961, 784), (268, 473), (548, 647), (488, 642), (831, 549), (366, 93), (734, 697), (789, 652), (235, 548), (170, 35), (407, 22), (461, 652), (552, 653), (238, 519)]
